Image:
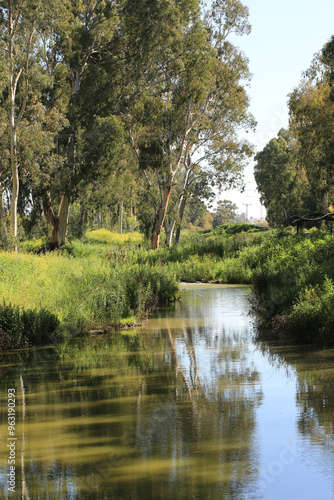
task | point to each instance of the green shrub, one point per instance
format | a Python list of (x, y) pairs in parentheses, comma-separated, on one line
[(293, 286), (28, 326), (312, 316), (7, 239)]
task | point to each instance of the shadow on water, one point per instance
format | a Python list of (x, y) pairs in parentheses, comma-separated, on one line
[(187, 407)]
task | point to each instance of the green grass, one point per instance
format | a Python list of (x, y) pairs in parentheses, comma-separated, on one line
[(294, 287), (104, 279), (83, 293), (108, 237)]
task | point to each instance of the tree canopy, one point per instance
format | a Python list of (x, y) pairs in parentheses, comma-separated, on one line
[(295, 171), (127, 107)]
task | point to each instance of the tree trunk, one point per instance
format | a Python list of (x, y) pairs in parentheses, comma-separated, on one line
[(169, 228), (2, 208), (164, 205), (12, 133), (158, 225), (63, 213), (181, 213), (58, 222), (111, 222), (325, 206), (325, 202), (83, 215), (182, 199), (15, 173), (120, 221)]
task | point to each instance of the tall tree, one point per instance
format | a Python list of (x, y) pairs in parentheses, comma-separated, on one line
[(32, 124), (312, 124), (81, 37), (200, 102), (282, 185), (224, 213), (19, 40)]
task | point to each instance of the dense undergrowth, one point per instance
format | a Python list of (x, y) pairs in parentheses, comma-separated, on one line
[(106, 279), (294, 290)]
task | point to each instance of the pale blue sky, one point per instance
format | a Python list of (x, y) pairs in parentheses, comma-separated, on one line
[(285, 36)]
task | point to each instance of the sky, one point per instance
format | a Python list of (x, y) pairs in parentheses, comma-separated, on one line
[(286, 34)]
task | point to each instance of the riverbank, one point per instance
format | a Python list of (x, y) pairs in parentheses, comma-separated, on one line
[(105, 280), (292, 277), (66, 295)]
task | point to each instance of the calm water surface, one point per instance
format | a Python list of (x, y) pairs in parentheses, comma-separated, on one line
[(189, 408)]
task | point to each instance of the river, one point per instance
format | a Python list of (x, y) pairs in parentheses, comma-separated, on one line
[(187, 407)]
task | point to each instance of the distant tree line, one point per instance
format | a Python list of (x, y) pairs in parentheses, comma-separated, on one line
[(118, 112), (295, 171)]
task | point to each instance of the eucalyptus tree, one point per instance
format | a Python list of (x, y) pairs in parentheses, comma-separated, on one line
[(225, 213), (138, 82), (81, 38), (326, 57), (190, 115), (282, 184), (141, 58), (312, 123), (19, 32), (30, 123), (215, 155)]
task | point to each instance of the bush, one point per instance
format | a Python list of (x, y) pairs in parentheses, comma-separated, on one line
[(21, 327), (294, 287), (6, 237), (108, 237), (312, 316)]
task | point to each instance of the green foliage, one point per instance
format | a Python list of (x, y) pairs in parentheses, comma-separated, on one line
[(76, 227), (225, 213), (281, 181), (96, 283), (105, 236), (239, 227), (34, 245), (23, 327), (6, 237), (83, 292), (311, 123), (311, 318), (293, 286)]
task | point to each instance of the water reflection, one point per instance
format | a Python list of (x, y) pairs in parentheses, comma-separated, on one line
[(186, 408), (311, 374)]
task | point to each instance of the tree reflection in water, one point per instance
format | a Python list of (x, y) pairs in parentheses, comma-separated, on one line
[(168, 412)]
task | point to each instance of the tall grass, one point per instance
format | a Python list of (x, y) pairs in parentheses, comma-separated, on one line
[(83, 293), (294, 287), (108, 237), (105, 278)]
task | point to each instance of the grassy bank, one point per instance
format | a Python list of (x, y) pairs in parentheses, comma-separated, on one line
[(106, 279), (80, 292), (292, 276), (294, 288)]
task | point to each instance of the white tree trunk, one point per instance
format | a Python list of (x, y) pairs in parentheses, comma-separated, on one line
[(12, 132), (161, 216), (120, 220), (169, 228), (181, 204), (15, 180)]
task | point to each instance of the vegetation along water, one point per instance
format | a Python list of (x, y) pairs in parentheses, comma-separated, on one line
[(103, 133), (188, 406), (121, 124), (103, 281)]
